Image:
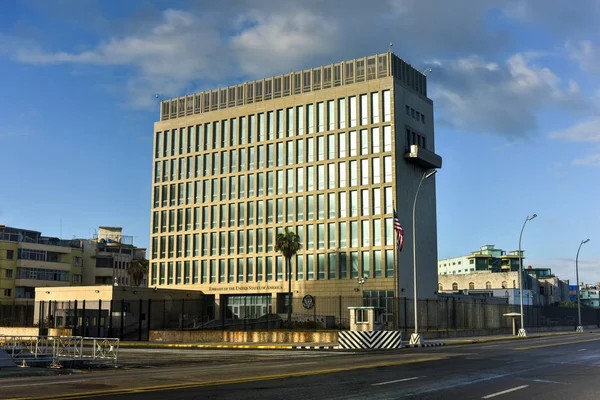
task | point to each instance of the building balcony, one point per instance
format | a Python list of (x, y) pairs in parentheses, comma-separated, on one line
[(423, 157), (100, 271), (45, 265), (40, 283)]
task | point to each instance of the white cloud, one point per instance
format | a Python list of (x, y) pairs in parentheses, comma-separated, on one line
[(587, 54), (588, 131), (478, 95), (592, 160)]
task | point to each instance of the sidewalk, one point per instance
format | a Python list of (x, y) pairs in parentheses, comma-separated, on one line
[(333, 346)]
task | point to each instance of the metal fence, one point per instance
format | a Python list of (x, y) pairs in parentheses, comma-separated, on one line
[(133, 319)]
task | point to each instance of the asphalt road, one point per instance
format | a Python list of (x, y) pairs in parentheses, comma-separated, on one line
[(544, 368)]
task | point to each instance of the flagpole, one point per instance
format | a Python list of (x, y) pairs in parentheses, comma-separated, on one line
[(396, 279)]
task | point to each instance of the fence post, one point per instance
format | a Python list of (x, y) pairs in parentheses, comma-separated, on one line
[(202, 305), (110, 320), (315, 313), (41, 318), (426, 319), (76, 319), (83, 321), (340, 303), (122, 318), (164, 314), (447, 314), (99, 318), (182, 313), (245, 308), (405, 313), (148, 316), (140, 321)]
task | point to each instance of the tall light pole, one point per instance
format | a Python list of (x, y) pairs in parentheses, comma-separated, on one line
[(361, 282), (416, 337), (522, 331), (579, 327)]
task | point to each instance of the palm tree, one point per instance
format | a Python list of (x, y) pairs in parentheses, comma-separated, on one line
[(137, 269), (288, 243)]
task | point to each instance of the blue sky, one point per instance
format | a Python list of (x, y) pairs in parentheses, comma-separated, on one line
[(516, 86)]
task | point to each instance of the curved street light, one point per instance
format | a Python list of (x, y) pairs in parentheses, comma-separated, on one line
[(522, 331), (416, 337), (579, 327)]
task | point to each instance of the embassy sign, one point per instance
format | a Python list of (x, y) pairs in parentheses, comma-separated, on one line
[(244, 288)]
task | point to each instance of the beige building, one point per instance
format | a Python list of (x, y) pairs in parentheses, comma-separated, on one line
[(107, 257), (328, 152), (29, 260)]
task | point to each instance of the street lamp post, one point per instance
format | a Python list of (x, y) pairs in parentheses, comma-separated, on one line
[(361, 282), (416, 337), (579, 327), (522, 331)]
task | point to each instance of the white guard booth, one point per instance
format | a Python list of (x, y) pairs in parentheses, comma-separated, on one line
[(367, 331)]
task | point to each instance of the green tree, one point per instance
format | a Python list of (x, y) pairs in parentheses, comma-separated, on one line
[(288, 244), (137, 269)]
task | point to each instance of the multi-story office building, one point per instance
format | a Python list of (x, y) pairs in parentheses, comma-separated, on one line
[(29, 260), (487, 258), (328, 152)]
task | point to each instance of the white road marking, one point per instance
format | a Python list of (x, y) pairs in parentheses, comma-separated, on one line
[(489, 396), (545, 381), (398, 380), (291, 365), (45, 383), (581, 350)]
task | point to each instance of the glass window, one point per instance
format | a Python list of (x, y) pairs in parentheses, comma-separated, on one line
[(269, 211), (331, 235), (290, 152), (343, 265), (331, 266), (300, 120), (352, 101), (387, 106), (364, 141), (320, 117), (365, 202), (259, 240), (195, 271), (330, 115), (321, 148), (270, 155), (259, 270), (299, 208), (342, 144), (320, 266), (251, 129), (270, 239), (389, 263), (341, 113), (241, 214), (251, 156), (342, 205), (387, 138), (261, 184), (366, 238), (250, 213), (354, 265), (353, 144), (353, 173), (376, 232), (240, 242), (203, 271), (331, 150), (241, 186), (300, 179), (270, 182), (342, 174), (279, 267), (343, 235), (289, 120), (376, 170), (233, 131), (310, 207), (310, 150), (280, 181), (366, 264), (389, 201), (331, 176), (231, 271), (321, 206), (376, 201), (321, 236), (169, 273), (232, 214), (289, 209), (221, 271), (240, 270), (279, 211), (310, 118), (250, 270), (280, 155), (290, 180), (279, 124), (389, 232), (260, 212), (310, 267), (387, 168), (300, 150), (353, 233), (331, 205), (260, 159), (363, 109), (364, 171), (299, 267), (251, 185), (310, 178), (375, 107)]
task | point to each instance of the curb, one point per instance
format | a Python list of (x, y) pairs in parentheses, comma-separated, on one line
[(478, 341), (423, 345), (204, 346), (317, 347)]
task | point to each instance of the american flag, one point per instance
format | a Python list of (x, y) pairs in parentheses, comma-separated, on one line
[(399, 232)]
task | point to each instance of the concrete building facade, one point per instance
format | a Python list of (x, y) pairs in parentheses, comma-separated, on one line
[(29, 260), (487, 258), (328, 152)]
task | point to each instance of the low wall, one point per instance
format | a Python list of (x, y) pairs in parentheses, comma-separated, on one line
[(244, 337), (19, 331), (490, 332)]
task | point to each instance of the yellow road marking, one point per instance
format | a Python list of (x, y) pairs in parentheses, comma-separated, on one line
[(189, 385), (207, 346), (555, 344)]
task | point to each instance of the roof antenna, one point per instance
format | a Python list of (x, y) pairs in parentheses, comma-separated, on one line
[(390, 46)]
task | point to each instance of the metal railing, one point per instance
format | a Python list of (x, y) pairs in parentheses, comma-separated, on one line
[(57, 348)]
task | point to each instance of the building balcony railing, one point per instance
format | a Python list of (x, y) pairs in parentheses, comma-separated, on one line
[(423, 157)]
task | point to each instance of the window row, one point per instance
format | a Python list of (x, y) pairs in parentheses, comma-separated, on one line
[(320, 148), (417, 138), (304, 179), (341, 113), (415, 114), (333, 235), (371, 264), (354, 203)]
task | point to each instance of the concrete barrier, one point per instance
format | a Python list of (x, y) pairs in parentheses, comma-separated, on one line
[(243, 337), (19, 331)]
